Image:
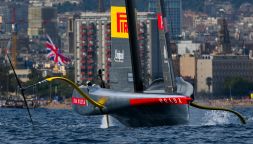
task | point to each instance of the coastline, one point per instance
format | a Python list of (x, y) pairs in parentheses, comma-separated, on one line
[(227, 103), (57, 105), (224, 103)]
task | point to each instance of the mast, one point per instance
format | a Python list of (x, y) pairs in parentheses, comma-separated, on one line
[(164, 38), (135, 59)]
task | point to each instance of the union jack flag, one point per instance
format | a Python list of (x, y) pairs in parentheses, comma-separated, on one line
[(54, 53)]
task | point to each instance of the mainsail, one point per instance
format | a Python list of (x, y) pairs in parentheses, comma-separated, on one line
[(166, 54), (125, 66), (121, 76), (124, 62)]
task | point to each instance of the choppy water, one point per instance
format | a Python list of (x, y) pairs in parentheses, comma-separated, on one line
[(63, 126)]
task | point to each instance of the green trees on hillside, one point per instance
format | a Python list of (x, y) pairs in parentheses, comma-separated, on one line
[(8, 83), (54, 88), (237, 87)]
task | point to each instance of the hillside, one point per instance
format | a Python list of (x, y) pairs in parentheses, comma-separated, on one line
[(197, 5), (142, 5)]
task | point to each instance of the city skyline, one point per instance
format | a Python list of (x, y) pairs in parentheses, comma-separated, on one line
[(201, 33)]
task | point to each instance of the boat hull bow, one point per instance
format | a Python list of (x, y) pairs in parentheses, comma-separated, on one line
[(135, 109)]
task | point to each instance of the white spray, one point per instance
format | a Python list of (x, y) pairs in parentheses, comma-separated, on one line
[(106, 122), (216, 118)]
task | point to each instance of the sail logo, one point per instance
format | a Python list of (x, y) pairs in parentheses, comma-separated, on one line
[(160, 21), (122, 23), (119, 27), (119, 56)]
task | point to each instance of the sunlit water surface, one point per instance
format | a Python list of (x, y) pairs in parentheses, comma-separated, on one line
[(64, 126)]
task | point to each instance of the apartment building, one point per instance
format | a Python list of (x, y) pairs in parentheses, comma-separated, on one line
[(212, 71), (92, 43)]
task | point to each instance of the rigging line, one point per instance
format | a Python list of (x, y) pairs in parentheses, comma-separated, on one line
[(21, 89), (169, 76), (100, 103), (33, 85), (86, 96)]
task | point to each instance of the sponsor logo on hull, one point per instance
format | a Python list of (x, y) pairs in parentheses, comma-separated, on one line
[(79, 101), (160, 101)]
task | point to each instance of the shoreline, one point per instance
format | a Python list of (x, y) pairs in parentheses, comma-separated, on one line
[(56, 105), (225, 103)]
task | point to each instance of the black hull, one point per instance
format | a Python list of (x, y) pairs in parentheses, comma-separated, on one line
[(149, 116), (135, 109)]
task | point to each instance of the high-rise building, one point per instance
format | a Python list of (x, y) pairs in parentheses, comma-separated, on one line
[(43, 20), (224, 45), (174, 12), (1, 22), (49, 23), (70, 33), (95, 50), (14, 12), (6, 16), (92, 41), (34, 21)]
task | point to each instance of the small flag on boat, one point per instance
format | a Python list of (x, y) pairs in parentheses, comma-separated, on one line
[(54, 53)]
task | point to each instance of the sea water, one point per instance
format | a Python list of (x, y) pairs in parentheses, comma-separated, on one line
[(65, 126)]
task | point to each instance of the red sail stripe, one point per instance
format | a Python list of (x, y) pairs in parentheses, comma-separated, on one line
[(160, 21), (159, 101)]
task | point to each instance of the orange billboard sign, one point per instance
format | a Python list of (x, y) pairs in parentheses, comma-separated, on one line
[(119, 27)]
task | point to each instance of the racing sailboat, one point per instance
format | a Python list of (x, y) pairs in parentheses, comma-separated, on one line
[(164, 102), (150, 107)]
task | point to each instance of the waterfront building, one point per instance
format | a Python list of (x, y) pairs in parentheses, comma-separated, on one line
[(93, 46), (212, 71), (187, 66)]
